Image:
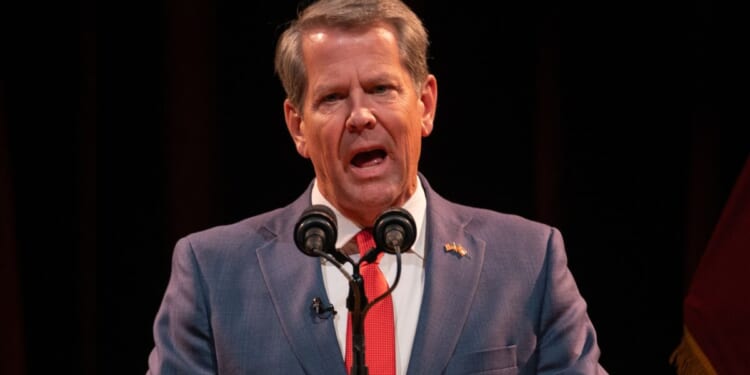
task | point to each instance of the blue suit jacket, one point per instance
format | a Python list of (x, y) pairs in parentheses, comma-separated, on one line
[(238, 301)]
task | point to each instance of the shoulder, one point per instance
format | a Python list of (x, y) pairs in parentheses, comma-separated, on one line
[(507, 237), (233, 234), (240, 238), (480, 218), (509, 230), (514, 247), (484, 222)]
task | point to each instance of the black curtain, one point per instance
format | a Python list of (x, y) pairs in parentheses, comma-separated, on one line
[(127, 126)]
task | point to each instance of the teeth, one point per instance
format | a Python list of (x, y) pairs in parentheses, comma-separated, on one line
[(369, 158)]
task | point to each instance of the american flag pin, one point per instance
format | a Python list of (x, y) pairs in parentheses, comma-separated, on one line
[(458, 249)]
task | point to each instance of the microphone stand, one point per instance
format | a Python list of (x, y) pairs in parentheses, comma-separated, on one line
[(358, 313), (315, 235), (357, 287), (357, 302)]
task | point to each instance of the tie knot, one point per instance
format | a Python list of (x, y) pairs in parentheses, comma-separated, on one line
[(365, 241)]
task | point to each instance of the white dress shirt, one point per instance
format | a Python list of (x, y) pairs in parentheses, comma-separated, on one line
[(407, 297)]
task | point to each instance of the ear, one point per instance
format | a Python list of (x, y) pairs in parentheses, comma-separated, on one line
[(294, 124), (429, 104)]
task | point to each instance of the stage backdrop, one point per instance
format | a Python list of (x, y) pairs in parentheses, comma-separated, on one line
[(125, 126)]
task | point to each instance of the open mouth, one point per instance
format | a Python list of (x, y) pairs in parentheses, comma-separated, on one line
[(368, 158)]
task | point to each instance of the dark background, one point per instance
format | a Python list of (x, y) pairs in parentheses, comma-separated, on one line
[(125, 126)]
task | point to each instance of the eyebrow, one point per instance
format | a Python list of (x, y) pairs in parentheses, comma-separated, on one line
[(380, 77)]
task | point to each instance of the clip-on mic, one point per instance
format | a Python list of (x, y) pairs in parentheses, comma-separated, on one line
[(321, 311)]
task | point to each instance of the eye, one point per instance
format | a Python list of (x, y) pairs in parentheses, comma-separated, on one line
[(380, 89), (330, 98)]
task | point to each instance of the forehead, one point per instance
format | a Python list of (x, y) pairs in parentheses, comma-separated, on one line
[(326, 48), (327, 40), (318, 32)]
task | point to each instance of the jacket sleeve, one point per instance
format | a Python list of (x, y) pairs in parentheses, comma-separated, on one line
[(182, 330), (568, 343)]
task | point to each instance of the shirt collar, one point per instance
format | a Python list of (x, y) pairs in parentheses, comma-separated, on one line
[(416, 205)]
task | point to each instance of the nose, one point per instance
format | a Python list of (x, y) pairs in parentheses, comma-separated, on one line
[(360, 117)]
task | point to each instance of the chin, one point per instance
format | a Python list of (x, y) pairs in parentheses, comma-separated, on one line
[(375, 200)]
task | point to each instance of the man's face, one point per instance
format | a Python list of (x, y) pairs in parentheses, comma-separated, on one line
[(362, 120)]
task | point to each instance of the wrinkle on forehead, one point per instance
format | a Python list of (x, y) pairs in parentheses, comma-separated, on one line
[(335, 50), (321, 34)]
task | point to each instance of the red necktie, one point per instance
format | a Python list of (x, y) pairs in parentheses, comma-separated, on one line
[(380, 345)]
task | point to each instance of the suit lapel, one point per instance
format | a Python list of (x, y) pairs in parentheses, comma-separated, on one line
[(451, 282), (293, 280)]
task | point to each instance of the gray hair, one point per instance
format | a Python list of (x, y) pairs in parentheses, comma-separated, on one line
[(350, 14)]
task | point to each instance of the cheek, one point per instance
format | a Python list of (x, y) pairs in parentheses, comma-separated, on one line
[(325, 143), (414, 145)]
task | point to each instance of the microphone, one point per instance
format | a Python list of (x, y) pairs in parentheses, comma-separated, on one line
[(320, 310), (315, 232), (394, 229)]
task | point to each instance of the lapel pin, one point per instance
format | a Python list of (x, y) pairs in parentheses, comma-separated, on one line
[(458, 249)]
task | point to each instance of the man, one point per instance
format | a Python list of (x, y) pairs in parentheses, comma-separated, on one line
[(479, 291)]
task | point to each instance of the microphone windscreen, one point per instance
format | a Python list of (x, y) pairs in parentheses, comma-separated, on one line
[(316, 230), (395, 227)]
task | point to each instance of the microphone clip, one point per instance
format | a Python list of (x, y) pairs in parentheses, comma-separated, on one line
[(320, 310)]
